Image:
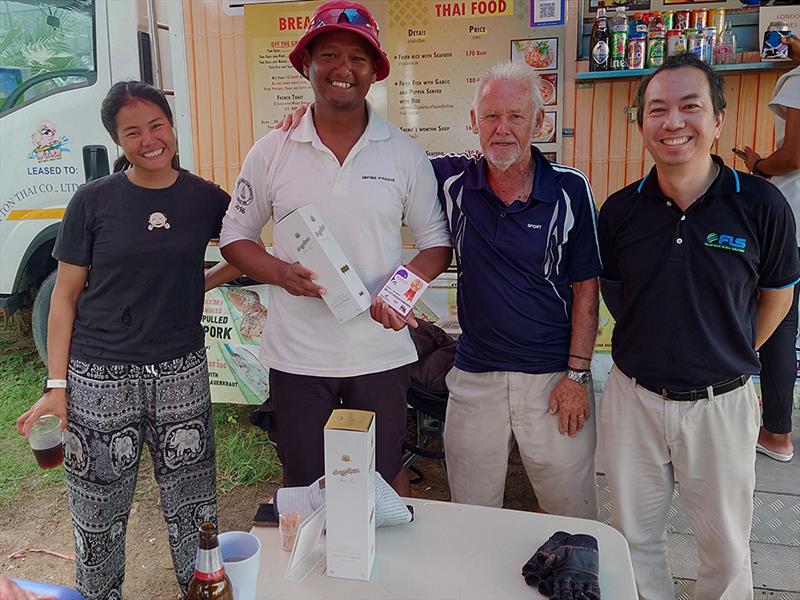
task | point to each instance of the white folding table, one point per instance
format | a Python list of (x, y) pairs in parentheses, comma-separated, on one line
[(450, 551)]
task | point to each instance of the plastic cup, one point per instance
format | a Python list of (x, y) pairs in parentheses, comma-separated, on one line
[(288, 525), (241, 557), (45, 439)]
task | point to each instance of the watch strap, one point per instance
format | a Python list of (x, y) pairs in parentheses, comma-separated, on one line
[(581, 376), (50, 384)]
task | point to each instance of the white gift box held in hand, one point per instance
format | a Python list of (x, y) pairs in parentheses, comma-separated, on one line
[(350, 493), (312, 244)]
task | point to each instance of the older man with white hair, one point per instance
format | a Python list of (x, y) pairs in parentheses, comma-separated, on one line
[(524, 231)]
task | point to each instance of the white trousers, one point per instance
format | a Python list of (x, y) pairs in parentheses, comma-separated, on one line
[(708, 446), (486, 412)]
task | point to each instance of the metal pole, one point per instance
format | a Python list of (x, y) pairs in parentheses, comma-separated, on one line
[(152, 27)]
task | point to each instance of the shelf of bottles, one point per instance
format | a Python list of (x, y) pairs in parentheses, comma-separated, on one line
[(725, 68), (627, 46)]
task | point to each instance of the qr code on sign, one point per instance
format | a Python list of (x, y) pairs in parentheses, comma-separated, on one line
[(547, 10)]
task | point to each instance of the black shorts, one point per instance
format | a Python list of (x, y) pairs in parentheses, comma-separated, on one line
[(303, 403)]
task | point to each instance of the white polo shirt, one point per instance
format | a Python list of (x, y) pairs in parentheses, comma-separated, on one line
[(386, 181)]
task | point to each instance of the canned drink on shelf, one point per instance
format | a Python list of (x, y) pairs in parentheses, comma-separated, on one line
[(655, 49), (696, 42), (669, 19), (636, 51), (682, 19), (676, 42), (619, 43), (716, 19), (698, 18)]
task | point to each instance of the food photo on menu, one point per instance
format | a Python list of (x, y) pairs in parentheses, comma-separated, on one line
[(548, 88), (540, 54), (546, 132)]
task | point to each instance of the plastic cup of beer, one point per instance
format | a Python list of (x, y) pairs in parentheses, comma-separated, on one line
[(45, 438), (241, 557)]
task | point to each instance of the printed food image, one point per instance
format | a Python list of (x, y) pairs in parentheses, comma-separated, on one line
[(254, 313), (547, 88), (546, 132), (254, 320), (242, 298), (538, 54), (249, 370)]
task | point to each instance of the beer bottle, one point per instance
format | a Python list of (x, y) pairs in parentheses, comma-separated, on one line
[(209, 581), (598, 46)]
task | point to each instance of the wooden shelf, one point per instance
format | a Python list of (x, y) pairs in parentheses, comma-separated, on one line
[(753, 67)]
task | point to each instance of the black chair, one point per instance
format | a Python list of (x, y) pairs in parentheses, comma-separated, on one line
[(430, 409)]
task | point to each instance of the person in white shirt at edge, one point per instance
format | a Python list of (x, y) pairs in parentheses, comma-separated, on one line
[(366, 178), (778, 358)]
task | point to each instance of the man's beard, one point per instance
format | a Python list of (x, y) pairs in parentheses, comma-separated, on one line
[(502, 164)]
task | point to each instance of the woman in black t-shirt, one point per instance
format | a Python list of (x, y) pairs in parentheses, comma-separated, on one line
[(126, 353)]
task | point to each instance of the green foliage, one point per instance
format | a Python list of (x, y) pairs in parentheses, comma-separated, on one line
[(244, 456), (21, 376)]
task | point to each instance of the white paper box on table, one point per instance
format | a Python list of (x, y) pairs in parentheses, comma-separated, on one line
[(350, 493), (312, 245)]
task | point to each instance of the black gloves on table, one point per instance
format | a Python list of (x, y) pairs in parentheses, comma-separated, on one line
[(565, 568)]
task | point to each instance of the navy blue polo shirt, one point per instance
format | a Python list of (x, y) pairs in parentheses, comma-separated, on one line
[(516, 263), (687, 315)]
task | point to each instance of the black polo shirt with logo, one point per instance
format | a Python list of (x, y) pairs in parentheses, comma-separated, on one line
[(688, 305)]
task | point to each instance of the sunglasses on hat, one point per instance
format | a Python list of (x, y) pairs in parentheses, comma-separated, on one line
[(351, 16)]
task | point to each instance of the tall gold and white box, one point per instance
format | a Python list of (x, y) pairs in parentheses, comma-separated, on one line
[(306, 236), (350, 493)]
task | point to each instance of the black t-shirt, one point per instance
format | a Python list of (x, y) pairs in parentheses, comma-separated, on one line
[(145, 250), (690, 279)]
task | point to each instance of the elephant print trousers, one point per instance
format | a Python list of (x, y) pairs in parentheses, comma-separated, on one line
[(112, 410)]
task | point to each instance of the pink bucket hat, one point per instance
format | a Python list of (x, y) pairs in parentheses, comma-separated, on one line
[(340, 15)]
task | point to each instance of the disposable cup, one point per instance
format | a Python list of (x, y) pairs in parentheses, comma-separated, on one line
[(241, 557), (288, 526), (45, 439)]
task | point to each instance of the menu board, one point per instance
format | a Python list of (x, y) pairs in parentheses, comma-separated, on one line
[(437, 51)]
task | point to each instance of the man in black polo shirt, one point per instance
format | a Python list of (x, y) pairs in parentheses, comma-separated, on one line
[(699, 264)]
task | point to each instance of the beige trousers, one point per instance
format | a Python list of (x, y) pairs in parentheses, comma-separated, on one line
[(709, 447), (486, 412)]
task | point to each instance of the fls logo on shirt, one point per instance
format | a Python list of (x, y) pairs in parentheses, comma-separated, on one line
[(726, 241)]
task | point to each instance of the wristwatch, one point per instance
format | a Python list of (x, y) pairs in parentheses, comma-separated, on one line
[(581, 377), (50, 384)]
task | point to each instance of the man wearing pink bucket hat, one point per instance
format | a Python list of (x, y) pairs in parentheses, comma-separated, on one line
[(342, 16), (366, 179)]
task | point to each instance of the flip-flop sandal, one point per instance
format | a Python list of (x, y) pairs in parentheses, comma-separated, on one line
[(779, 456)]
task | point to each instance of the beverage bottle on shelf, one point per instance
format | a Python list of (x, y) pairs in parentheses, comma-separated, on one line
[(712, 39), (598, 45), (725, 51), (656, 41), (619, 39), (209, 581)]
